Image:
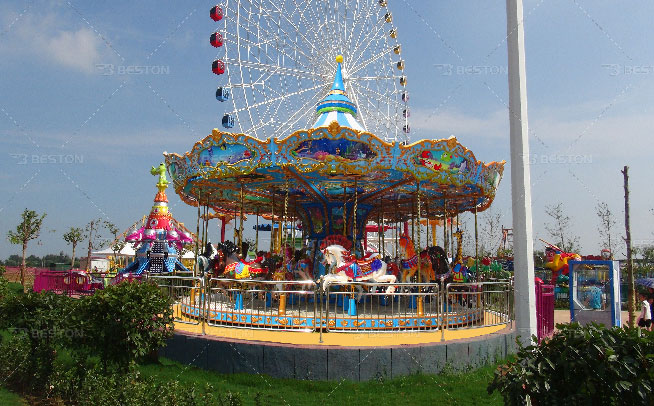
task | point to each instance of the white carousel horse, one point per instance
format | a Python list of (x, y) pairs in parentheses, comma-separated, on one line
[(348, 268)]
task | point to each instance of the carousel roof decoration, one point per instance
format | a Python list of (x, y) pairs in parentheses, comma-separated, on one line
[(324, 167), (336, 106)]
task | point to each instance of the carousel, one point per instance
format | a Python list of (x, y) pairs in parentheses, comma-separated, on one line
[(323, 189)]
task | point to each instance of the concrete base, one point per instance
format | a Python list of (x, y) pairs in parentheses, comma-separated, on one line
[(308, 362)]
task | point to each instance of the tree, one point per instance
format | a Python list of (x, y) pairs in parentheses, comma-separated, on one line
[(92, 234), (29, 229), (490, 233), (117, 245), (72, 237), (607, 221), (560, 227)]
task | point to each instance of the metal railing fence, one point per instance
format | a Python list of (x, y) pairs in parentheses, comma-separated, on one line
[(340, 307)]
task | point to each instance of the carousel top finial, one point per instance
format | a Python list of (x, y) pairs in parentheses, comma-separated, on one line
[(336, 106)]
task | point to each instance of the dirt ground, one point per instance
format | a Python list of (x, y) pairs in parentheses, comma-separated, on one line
[(13, 275)]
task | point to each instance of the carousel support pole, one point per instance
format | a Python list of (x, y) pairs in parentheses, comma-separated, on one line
[(427, 224), (235, 229), (383, 231), (282, 305), (418, 248), (452, 236), (524, 290), (379, 239), (445, 241), (197, 238), (476, 247), (272, 224), (344, 211), (354, 218), (421, 299), (223, 224), (256, 236), (240, 229), (285, 219), (413, 223), (397, 232), (206, 225)]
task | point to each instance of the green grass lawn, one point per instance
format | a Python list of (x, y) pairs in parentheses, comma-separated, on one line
[(8, 398), (450, 389)]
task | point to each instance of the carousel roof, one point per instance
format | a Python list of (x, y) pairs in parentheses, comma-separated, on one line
[(332, 162)]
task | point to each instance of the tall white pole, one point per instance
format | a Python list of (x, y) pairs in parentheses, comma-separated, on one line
[(525, 296)]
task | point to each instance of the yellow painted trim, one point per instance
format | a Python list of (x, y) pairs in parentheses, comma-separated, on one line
[(340, 339)]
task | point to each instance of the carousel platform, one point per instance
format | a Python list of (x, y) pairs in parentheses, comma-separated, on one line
[(349, 356)]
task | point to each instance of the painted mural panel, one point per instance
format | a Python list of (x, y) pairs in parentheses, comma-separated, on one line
[(439, 160), (341, 149), (227, 153)]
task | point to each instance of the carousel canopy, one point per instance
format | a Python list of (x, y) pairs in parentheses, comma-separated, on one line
[(313, 174)]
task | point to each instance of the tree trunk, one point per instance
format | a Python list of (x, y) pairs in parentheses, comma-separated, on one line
[(72, 263), (22, 266), (88, 255), (630, 268)]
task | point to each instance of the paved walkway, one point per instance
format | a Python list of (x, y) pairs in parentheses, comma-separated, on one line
[(563, 316)]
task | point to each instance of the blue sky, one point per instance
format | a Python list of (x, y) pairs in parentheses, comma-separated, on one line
[(590, 79)]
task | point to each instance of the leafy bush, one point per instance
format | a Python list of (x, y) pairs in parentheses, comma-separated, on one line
[(15, 369), (100, 389), (120, 325), (581, 365), (38, 323), (125, 322)]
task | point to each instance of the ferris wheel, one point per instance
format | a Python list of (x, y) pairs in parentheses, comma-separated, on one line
[(276, 60)]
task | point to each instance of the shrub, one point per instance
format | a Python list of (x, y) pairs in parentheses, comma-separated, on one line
[(125, 322), (99, 389), (15, 369), (38, 323), (581, 365)]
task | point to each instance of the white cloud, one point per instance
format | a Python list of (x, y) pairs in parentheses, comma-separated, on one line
[(589, 130), (75, 49), (426, 124), (51, 39)]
